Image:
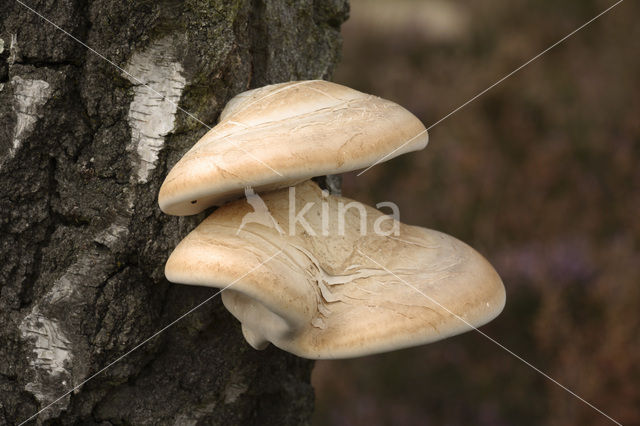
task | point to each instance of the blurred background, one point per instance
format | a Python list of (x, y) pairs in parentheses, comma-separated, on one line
[(541, 175)]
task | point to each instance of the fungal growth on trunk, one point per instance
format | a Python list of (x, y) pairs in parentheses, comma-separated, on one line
[(279, 135), (329, 292), (319, 275)]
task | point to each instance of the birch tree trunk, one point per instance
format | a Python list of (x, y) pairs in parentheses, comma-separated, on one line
[(84, 147)]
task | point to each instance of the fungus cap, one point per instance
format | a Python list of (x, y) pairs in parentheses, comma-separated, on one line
[(280, 135), (339, 293)]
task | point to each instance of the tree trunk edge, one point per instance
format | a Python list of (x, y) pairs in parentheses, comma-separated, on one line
[(83, 241)]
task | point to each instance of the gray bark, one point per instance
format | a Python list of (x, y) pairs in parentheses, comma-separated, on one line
[(83, 150)]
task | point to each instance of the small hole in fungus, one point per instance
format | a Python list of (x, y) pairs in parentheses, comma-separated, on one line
[(194, 201)]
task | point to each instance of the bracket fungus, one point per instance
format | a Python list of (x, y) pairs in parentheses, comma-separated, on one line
[(328, 292), (283, 134), (319, 275)]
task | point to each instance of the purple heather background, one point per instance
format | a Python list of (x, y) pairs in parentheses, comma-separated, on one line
[(541, 175)]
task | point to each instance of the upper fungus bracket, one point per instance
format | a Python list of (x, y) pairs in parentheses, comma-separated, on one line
[(302, 129)]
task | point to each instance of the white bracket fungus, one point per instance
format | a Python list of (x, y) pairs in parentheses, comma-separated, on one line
[(325, 296), (299, 129), (345, 280)]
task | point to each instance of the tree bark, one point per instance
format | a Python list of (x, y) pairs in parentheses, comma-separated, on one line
[(84, 147)]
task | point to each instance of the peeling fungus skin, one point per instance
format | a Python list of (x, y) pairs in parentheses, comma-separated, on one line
[(324, 296), (283, 134)]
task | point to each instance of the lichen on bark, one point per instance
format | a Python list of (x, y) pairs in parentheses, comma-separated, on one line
[(83, 242)]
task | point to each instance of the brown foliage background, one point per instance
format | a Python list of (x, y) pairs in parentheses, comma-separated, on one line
[(541, 175)]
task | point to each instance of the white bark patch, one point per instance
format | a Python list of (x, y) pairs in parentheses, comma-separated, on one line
[(50, 344), (52, 361), (158, 85), (111, 236), (52, 348), (13, 49), (29, 97), (194, 415), (233, 391)]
